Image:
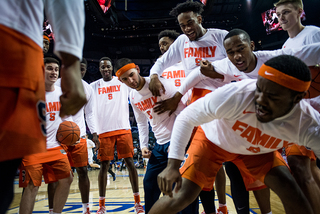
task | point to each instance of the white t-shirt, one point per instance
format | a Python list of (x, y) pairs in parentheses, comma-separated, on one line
[(190, 53), (143, 102), (87, 112), (66, 18), (310, 34), (53, 119), (228, 119), (175, 75), (310, 54), (111, 103)]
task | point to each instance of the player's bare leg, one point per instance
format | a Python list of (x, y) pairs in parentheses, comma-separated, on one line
[(301, 171), (280, 180), (28, 198), (220, 184), (133, 175), (84, 183), (102, 177), (263, 199), (61, 194)]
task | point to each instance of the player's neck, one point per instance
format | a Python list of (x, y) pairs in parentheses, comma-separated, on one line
[(49, 87), (294, 31), (143, 81)]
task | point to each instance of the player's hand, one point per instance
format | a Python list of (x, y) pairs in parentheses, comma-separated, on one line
[(156, 86), (170, 104), (146, 153), (169, 176), (73, 96), (208, 70), (96, 141)]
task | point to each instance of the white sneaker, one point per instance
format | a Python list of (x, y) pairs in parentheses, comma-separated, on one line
[(138, 209), (102, 210)]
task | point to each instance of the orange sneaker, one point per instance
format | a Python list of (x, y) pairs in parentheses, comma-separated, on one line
[(222, 210)]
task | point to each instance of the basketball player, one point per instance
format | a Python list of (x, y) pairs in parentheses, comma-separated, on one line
[(244, 123), (301, 160), (53, 164), (242, 63), (176, 75), (128, 73), (111, 102), (78, 154), (23, 82), (195, 44), (46, 43)]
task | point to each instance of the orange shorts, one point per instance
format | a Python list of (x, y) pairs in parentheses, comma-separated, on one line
[(22, 109), (298, 150), (124, 145), (198, 93), (203, 155), (78, 154), (51, 171)]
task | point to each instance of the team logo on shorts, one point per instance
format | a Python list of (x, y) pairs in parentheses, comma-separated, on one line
[(63, 152), (41, 110), (185, 158)]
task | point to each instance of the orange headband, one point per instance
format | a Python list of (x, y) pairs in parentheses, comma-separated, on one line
[(45, 37), (283, 79), (124, 69)]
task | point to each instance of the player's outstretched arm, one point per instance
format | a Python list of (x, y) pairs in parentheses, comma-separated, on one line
[(155, 85), (170, 104), (207, 69), (73, 96), (169, 176)]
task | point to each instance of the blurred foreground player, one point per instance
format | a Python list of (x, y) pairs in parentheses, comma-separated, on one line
[(22, 80)]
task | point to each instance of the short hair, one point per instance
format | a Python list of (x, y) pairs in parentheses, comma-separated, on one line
[(296, 3), (105, 58), (291, 66), (187, 6), (84, 61), (172, 34), (122, 62), (236, 32), (50, 60)]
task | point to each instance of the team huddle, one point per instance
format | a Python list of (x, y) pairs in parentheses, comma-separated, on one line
[(213, 103)]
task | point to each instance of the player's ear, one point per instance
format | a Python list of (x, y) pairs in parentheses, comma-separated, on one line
[(252, 45), (199, 17), (299, 96), (138, 69)]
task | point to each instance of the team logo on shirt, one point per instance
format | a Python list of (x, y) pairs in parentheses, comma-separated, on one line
[(256, 137), (201, 52)]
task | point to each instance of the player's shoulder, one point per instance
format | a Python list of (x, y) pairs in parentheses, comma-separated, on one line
[(215, 31), (312, 28), (94, 83)]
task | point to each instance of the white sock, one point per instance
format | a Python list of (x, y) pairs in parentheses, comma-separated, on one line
[(51, 211), (56, 213), (222, 205), (85, 206), (269, 212)]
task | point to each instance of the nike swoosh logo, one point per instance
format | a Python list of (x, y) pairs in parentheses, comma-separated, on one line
[(236, 75), (269, 74), (248, 112)]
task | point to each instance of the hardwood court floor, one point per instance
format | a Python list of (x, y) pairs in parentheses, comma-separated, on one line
[(119, 198)]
